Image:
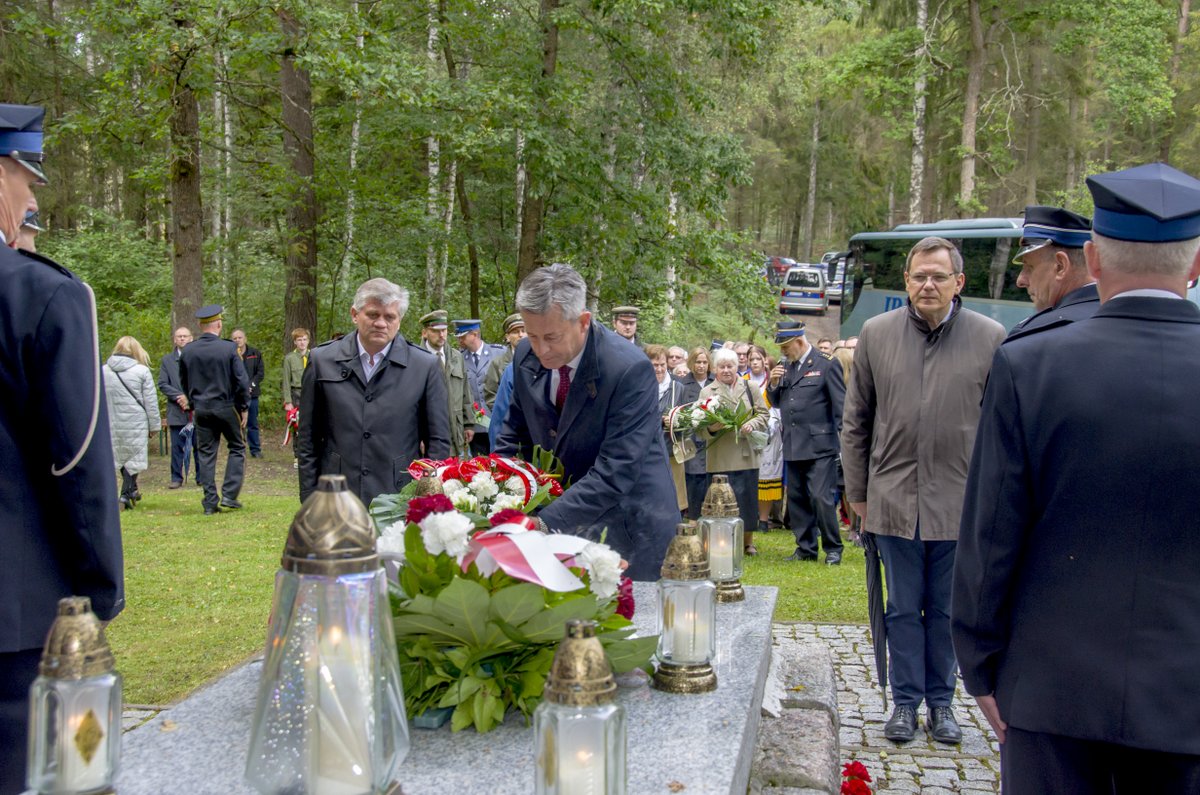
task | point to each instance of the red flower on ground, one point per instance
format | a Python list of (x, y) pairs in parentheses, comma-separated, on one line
[(512, 516), (625, 605), (420, 507), (855, 786), (855, 769)]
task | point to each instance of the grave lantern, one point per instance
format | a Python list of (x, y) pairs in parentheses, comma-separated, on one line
[(686, 617), (723, 528)]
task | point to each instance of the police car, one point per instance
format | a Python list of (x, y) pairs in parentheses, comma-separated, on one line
[(804, 289)]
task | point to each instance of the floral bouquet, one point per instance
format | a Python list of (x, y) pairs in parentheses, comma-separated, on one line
[(479, 613), (714, 410), (291, 424), (481, 418), (681, 419)]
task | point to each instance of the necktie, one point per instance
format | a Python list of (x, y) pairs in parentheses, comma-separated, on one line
[(475, 359), (304, 358), (564, 386), (442, 358)]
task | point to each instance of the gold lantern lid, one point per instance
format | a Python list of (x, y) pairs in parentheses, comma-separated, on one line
[(332, 533), (76, 646), (580, 675), (686, 558), (720, 501)]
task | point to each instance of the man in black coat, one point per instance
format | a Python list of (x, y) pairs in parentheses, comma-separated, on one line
[(213, 378), (1053, 270), (177, 408), (1076, 602), (584, 393), (59, 527), (372, 401), (255, 371), (807, 388)]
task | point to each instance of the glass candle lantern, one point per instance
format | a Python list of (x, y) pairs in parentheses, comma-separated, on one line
[(579, 732), (330, 715), (722, 526), (75, 708), (687, 619)]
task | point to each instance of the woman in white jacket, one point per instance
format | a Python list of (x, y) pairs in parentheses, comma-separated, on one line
[(132, 413)]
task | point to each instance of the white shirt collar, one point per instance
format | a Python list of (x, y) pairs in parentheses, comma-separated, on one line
[(365, 358), (1147, 292)]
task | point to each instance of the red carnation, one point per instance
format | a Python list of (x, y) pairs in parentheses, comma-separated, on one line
[(420, 507), (855, 769), (855, 786), (625, 605), (512, 516)]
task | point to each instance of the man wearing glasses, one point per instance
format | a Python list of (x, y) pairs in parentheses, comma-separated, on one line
[(1053, 270), (912, 405)]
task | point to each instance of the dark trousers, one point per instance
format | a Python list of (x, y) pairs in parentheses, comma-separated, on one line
[(177, 456), (18, 669), (129, 486), (252, 435), (1035, 763), (481, 442), (210, 427), (697, 487), (812, 504), (744, 483), (918, 619)]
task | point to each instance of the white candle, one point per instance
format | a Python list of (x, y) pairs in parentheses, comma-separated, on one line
[(343, 763), (688, 635), (720, 559), (581, 772), (80, 774)]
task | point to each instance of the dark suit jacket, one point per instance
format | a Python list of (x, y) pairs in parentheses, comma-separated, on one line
[(168, 384), (370, 432), (59, 535), (609, 440), (809, 397), (1076, 597), (212, 375), (1076, 305)]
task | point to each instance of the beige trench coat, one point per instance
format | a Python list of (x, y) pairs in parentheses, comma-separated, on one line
[(727, 454), (912, 406)]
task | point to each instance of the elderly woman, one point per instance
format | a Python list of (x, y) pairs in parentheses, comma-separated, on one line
[(670, 395), (731, 454), (132, 413), (695, 470)]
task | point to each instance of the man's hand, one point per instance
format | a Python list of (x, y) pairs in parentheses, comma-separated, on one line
[(181, 401), (288, 407), (242, 415), (715, 427), (992, 713), (470, 434), (860, 510), (776, 373)]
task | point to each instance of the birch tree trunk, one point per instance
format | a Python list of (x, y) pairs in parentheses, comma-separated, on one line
[(435, 280), (1185, 9), (916, 189), (670, 276), (810, 203), (341, 279), (975, 62)]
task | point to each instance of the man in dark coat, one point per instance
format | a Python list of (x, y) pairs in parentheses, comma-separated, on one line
[(213, 378), (1076, 603), (59, 527), (1053, 270), (177, 408), (807, 388), (372, 401), (585, 394), (255, 371)]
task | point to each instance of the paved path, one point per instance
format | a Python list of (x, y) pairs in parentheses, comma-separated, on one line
[(922, 765)]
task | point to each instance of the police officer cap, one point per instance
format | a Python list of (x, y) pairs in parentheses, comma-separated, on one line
[(513, 321), (462, 327), (1045, 226), (788, 330), (1149, 204), (207, 314), (437, 319), (718, 345), (32, 222), (21, 136), (626, 312)]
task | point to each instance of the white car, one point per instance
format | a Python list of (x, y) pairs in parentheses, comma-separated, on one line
[(835, 287), (804, 290)]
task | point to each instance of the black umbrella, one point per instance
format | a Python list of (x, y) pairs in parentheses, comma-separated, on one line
[(875, 610), (186, 433)]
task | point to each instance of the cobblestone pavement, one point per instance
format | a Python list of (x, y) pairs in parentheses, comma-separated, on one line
[(922, 765)]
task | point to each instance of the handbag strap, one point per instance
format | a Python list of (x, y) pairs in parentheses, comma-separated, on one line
[(136, 399)]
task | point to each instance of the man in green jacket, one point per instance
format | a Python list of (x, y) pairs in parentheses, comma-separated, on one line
[(293, 368), (514, 332), (454, 368)]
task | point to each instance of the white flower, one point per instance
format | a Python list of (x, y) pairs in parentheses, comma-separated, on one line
[(514, 486), (465, 501), (484, 485), (446, 532), (604, 569), (390, 543), (504, 502), (452, 487)]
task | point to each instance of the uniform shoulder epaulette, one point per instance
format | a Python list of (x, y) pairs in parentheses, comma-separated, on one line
[(46, 261), (1029, 332), (828, 356)]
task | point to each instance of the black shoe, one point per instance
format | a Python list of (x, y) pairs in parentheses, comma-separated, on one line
[(763, 527), (209, 510), (943, 726), (126, 503), (234, 504), (902, 726), (176, 484), (798, 555), (255, 455), (833, 559), (136, 497)]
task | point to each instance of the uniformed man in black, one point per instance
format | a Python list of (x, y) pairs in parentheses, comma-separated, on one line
[(807, 388), (1053, 270), (59, 527), (214, 380)]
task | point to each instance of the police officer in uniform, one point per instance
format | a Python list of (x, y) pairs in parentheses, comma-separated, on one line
[(625, 322), (59, 526), (434, 326), (1053, 270), (214, 379), (807, 388), (478, 355)]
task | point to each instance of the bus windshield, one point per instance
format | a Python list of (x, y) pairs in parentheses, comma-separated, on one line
[(875, 270)]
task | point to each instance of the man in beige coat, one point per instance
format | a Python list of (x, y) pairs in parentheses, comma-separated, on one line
[(909, 426)]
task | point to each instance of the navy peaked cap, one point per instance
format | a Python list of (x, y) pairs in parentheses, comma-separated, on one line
[(1154, 203)]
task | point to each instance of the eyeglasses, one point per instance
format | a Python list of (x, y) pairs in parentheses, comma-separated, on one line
[(939, 279)]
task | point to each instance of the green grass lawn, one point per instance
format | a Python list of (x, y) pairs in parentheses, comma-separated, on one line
[(198, 588)]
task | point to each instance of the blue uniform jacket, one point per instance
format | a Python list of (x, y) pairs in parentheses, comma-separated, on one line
[(1076, 305), (59, 535), (810, 396), (1076, 598), (609, 440)]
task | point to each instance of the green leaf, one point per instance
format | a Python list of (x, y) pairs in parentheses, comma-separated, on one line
[(548, 625), (463, 716), (517, 604), (460, 692), (464, 605), (428, 625), (625, 655)]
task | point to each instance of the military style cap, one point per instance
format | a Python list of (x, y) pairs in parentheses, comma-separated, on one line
[(462, 327), (626, 312), (1045, 226), (437, 319), (32, 222), (1149, 204), (717, 345), (788, 329), (207, 314), (512, 321), (21, 136)]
